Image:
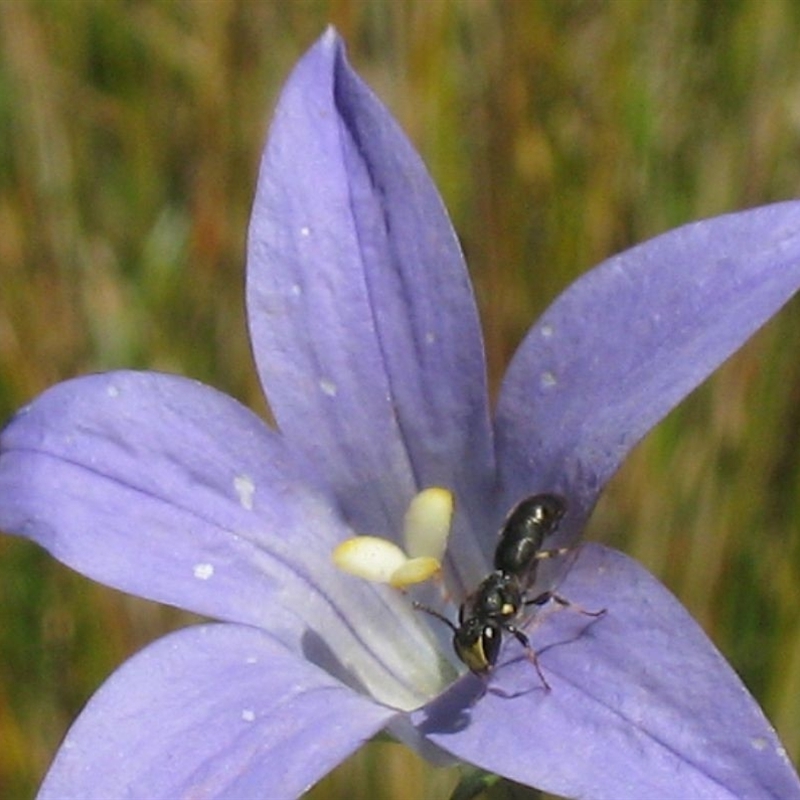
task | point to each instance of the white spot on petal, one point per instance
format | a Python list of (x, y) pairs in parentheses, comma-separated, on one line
[(430, 338), (245, 489), (248, 715), (305, 231), (203, 571), (328, 387), (251, 660), (112, 391), (546, 331), (296, 290), (547, 380)]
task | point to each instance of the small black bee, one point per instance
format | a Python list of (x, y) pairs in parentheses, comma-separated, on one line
[(498, 602)]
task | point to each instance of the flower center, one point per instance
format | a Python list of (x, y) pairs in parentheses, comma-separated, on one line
[(426, 528)]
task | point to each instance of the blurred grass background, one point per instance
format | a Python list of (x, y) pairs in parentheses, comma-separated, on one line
[(559, 133)]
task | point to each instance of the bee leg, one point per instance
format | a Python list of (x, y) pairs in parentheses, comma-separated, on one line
[(530, 653), (539, 555), (546, 597)]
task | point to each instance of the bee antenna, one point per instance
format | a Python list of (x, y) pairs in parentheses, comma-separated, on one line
[(434, 613)]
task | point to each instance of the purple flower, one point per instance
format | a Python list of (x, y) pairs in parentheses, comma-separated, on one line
[(368, 344)]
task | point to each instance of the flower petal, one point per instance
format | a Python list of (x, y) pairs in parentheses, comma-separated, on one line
[(641, 703), (165, 488), (213, 711), (629, 340), (361, 312), (156, 485)]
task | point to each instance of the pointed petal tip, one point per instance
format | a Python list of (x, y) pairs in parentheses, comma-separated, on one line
[(328, 46), (576, 397), (348, 228), (330, 37)]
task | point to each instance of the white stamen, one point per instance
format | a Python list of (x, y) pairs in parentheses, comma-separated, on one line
[(415, 570), (369, 557), (427, 527), (427, 523)]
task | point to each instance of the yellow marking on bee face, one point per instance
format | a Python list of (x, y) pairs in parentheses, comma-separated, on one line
[(474, 656)]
